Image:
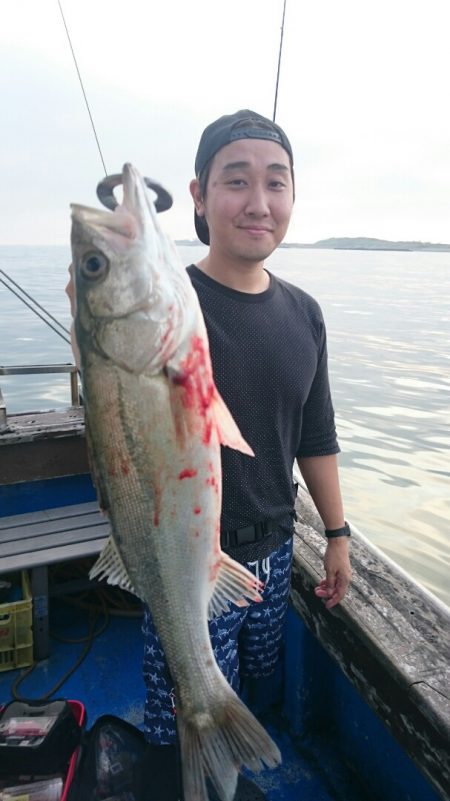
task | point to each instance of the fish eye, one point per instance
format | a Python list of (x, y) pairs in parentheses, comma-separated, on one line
[(94, 266)]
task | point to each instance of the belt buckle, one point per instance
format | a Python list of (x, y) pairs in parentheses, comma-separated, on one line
[(261, 530), (246, 535)]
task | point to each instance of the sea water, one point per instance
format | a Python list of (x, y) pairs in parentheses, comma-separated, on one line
[(388, 325)]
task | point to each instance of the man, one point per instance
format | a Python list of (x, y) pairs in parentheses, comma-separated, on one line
[(268, 349)]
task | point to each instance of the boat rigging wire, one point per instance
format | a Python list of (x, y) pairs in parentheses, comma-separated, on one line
[(62, 332), (82, 88), (279, 63)]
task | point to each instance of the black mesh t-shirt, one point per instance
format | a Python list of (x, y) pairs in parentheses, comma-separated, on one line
[(269, 360)]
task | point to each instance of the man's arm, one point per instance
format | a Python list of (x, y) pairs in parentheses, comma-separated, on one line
[(320, 474)]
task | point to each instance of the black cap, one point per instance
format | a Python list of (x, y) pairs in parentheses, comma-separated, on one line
[(228, 129)]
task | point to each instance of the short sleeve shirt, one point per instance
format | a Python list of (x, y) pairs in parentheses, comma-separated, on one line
[(269, 359)]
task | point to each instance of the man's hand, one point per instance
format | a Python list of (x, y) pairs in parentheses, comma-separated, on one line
[(338, 572)]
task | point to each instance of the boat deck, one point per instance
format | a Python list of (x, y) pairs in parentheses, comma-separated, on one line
[(109, 680)]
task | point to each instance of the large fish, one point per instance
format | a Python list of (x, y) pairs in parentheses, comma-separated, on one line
[(155, 422)]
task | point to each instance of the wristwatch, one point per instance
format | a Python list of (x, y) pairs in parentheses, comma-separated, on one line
[(344, 531)]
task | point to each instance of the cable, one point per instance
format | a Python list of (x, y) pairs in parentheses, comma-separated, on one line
[(46, 321), (82, 89), (107, 598), (279, 64), (92, 634)]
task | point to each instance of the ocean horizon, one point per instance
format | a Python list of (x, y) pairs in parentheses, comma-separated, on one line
[(387, 314)]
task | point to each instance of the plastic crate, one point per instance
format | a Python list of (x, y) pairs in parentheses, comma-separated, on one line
[(16, 634)]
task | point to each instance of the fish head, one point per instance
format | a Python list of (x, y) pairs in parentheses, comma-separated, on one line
[(131, 288)]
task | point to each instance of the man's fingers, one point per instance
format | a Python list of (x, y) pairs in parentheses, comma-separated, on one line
[(335, 598), (324, 590), (338, 592), (332, 590)]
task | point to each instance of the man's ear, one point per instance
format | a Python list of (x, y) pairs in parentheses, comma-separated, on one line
[(197, 197)]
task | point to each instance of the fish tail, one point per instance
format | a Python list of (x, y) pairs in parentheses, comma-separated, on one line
[(216, 745)]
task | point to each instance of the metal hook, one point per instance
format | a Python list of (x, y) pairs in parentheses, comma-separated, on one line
[(105, 192)]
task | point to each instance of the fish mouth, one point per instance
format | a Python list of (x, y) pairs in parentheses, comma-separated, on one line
[(121, 223), (129, 219)]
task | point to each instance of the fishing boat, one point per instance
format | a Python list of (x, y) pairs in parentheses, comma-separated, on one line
[(360, 703), (360, 706)]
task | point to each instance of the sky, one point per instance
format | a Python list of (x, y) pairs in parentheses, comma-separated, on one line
[(363, 97)]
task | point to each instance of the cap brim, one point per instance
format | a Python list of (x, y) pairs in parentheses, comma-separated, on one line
[(202, 229)]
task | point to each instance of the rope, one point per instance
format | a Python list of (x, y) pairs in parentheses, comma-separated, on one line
[(82, 88), (279, 64)]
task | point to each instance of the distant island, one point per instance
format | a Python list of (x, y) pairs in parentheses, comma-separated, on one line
[(366, 243), (351, 243)]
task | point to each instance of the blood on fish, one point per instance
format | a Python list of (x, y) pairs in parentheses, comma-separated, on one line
[(196, 378), (125, 467), (197, 510), (187, 473), (214, 569), (207, 432)]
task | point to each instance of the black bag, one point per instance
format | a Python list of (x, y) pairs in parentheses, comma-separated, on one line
[(37, 738), (110, 762)]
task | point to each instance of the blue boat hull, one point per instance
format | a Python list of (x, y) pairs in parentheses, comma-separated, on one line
[(333, 744)]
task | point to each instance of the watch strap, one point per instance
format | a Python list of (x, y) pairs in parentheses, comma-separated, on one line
[(344, 531)]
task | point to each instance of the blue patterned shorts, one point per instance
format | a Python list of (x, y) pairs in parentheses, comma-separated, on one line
[(246, 642)]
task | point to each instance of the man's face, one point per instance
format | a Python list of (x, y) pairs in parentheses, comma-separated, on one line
[(249, 199)]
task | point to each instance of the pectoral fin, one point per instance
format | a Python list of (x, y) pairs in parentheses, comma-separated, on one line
[(229, 433)]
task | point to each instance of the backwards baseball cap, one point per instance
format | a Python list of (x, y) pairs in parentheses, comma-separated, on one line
[(244, 124)]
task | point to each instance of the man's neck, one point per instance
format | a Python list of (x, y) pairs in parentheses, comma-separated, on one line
[(248, 277)]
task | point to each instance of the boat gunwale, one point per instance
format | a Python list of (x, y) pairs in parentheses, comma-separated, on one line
[(399, 662)]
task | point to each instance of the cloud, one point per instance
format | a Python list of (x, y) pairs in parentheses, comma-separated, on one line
[(362, 97)]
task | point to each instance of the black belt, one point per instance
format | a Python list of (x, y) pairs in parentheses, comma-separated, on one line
[(242, 536)]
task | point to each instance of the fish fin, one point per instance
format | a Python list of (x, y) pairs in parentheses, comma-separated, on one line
[(228, 431), (233, 583), (218, 747), (197, 396), (110, 566)]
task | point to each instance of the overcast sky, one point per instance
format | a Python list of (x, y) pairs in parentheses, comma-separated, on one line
[(363, 97)]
